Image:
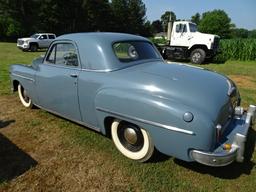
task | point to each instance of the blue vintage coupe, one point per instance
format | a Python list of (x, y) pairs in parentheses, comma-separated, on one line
[(119, 85)]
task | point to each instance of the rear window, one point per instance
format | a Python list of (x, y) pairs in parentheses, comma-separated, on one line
[(134, 51)]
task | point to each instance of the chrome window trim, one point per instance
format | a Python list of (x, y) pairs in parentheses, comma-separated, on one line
[(176, 129), (59, 42)]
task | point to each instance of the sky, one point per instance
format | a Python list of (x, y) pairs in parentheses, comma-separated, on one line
[(241, 12)]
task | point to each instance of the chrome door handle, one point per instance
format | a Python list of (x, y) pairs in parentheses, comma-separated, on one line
[(74, 75)]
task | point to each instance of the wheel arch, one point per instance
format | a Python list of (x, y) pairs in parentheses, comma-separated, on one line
[(33, 43), (200, 46), (15, 84)]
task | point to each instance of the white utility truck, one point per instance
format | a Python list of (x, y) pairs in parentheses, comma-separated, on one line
[(185, 42)]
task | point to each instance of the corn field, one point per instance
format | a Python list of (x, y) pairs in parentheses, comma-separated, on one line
[(237, 49)]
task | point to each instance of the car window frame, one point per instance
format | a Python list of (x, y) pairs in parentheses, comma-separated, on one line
[(135, 61), (58, 65)]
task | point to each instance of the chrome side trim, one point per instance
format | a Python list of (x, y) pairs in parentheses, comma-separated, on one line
[(23, 77), (176, 129), (68, 118), (98, 70)]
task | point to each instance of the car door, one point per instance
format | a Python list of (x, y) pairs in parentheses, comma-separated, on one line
[(180, 35), (44, 41), (57, 79)]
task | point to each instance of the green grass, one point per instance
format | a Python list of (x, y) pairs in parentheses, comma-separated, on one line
[(10, 54), (166, 173)]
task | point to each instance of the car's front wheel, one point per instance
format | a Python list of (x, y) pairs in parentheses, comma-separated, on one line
[(132, 141), (24, 98), (33, 47)]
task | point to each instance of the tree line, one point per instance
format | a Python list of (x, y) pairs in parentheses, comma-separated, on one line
[(24, 17)]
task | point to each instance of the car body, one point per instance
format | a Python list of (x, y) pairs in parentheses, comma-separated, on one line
[(119, 85), (36, 41)]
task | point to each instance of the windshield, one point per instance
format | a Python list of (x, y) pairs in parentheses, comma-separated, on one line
[(34, 36), (135, 51), (192, 27)]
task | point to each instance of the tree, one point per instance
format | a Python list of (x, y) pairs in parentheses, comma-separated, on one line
[(239, 33), (157, 26), (137, 16), (120, 15), (252, 34), (165, 19), (216, 22), (196, 18), (129, 16)]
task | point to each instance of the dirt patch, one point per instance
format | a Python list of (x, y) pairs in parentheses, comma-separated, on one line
[(33, 148), (243, 81)]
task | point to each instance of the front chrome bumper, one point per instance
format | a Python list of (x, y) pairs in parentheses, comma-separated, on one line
[(221, 157)]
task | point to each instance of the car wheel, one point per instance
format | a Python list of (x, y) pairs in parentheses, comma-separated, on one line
[(132, 141), (33, 47), (24, 98), (197, 56)]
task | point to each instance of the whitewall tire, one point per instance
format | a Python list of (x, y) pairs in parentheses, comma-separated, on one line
[(132, 141), (24, 98)]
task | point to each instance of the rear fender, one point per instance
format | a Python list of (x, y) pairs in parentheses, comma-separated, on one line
[(161, 118)]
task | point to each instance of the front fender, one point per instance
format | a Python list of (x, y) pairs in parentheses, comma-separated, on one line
[(163, 119), (25, 75)]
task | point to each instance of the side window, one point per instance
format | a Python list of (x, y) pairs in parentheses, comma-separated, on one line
[(43, 37), (50, 59), (181, 28), (51, 36), (63, 54)]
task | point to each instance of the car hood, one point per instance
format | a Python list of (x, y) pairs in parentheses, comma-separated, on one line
[(26, 38), (196, 87), (204, 35)]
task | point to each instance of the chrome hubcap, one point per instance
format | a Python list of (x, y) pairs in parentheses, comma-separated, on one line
[(26, 98), (196, 56), (130, 135)]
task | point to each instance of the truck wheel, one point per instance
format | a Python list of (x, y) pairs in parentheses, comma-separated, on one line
[(132, 141), (197, 56), (33, 47)]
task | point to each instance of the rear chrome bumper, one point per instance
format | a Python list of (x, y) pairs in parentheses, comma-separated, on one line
[(238, 136)]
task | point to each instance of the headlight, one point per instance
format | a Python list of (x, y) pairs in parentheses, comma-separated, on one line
[(26, 42)]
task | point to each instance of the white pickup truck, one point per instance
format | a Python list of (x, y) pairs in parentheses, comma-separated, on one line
[(36, 41), (185, 42)]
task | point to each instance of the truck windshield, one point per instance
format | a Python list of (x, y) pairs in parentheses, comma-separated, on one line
[(192, 27), (134, 51), (34, 36)]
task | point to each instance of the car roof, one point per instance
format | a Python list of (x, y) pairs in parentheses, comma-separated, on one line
[(95, 48), (45, 34)]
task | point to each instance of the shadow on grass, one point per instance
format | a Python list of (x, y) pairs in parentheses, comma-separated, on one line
[(4, 124), (13, 161), (231, 171)]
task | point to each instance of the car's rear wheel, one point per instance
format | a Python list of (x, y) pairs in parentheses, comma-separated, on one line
[(132, 141), (24, 98)]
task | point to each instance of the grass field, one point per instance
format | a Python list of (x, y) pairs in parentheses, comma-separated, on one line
[(43, 152)]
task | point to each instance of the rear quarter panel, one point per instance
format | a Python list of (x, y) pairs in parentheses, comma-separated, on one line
[(136, 107)]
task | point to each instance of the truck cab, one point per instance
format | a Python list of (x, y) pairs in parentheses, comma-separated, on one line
[(185, 41)]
